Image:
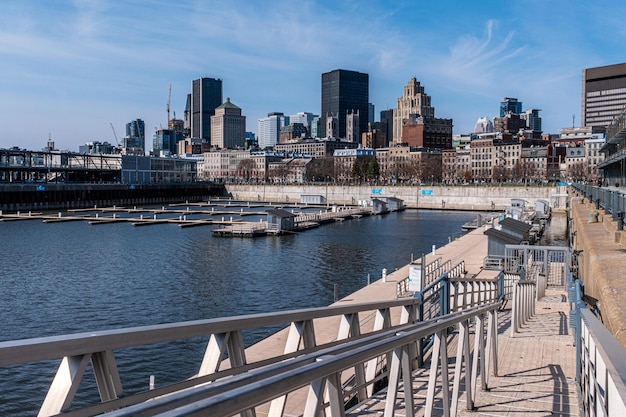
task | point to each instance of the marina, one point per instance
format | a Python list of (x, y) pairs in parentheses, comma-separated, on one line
[(70, 277), (231, 215), (469, 250)]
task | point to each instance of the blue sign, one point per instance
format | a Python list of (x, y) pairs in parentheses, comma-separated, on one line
[(41, 188), (427, 192), (561, 183), (377, 190), (132, 186)]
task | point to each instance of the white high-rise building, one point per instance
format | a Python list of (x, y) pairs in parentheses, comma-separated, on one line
[(269, 129), (483, 125), (305, 118)]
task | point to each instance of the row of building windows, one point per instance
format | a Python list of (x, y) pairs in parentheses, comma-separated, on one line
[(593, 111), (616, 100), (606, 92)]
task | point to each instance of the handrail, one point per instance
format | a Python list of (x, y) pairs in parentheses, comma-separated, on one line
[(16, 352), (320, 371), (602, 374), (431, 274), (76, 350), (613, 201)]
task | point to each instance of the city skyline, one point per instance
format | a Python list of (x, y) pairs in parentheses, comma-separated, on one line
[(71, 69)]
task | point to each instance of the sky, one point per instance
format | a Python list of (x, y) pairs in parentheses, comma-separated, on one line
[(71, 69)]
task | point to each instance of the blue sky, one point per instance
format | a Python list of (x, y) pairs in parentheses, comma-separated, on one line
[(71, 68)]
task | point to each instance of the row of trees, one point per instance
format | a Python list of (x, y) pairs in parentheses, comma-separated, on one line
[(427, 170)]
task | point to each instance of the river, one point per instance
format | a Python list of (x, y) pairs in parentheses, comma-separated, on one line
[(73, 277)]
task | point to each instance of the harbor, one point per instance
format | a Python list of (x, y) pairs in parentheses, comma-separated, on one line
[(470, 251)]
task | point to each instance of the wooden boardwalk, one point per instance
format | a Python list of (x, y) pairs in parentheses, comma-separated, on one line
[(536, 365), (537, 370)]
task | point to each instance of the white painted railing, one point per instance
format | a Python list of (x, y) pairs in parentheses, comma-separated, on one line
[(320, 372), (225, 337), (523, 304), (602, 369), (371, 351)]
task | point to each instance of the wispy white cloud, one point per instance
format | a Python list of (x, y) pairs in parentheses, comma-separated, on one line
[(117, 59), (476, 61)]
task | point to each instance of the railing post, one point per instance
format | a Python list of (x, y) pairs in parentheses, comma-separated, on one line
[(420, 318), (444, 296)]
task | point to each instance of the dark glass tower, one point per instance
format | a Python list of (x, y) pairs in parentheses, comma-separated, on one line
[(345, 91), (206, 96), (510, 105)]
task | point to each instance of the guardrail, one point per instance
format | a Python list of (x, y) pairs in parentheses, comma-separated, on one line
[(430, 274), (225, 337), (225, 354), (600, 364), (553, 262), (321, 373), (611, 200), (602, 369)]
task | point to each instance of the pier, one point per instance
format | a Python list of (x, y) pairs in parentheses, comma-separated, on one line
[(470, 340), (228, 214)]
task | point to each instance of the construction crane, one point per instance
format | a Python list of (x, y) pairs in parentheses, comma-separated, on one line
[(169, 98), (115, 135)]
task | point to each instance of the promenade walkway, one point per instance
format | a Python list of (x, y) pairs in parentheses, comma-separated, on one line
[(537, 369), (532, 374), (601, 260), (536, 366)]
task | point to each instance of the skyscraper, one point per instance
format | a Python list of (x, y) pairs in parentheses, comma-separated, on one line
[(206, 96), (603, 95), (135, 140), (414, 101), (269, 129), (136, 129), (228, 127), (344, 91), (510, 105)]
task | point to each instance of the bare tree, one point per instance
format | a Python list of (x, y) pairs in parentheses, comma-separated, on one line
[(321, 169), (499, 173), (246, 168), (431, 170), (578, 171), (279, 173)]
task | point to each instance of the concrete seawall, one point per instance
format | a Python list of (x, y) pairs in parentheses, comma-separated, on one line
[(602, 262), (482, 198)]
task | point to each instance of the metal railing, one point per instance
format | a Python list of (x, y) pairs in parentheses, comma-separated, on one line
[(551, 262), (612, 201), (523, 305), (600, 365), (430, 274), (602, 369), (225, 354), (320, 373)]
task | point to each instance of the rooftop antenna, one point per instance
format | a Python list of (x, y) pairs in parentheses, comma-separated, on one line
[(573, 120), (169, 98)]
